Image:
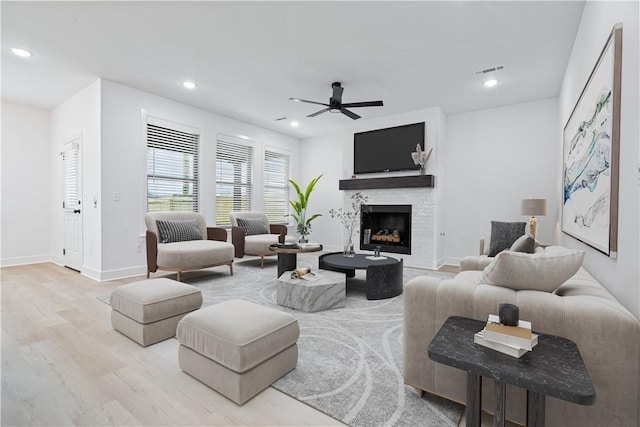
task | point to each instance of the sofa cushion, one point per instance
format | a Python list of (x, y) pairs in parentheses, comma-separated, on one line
[(152, 300), (524, 243), (194, 253), (238, 334), (503, 234), (544, 271), (252, 226), (258, 244), (178, 230)]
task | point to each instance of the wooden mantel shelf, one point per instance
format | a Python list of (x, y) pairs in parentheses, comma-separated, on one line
[(392, 182)]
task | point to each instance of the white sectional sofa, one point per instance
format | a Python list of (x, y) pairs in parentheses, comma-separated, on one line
[(580, 309)]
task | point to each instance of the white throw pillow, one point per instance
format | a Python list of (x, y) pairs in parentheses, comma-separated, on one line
[(543, 271)]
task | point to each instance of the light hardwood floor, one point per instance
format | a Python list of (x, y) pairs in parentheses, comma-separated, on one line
[(63, 364)]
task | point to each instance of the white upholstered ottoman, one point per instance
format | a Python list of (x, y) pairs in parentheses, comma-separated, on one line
[(238, 348), (149, 311)]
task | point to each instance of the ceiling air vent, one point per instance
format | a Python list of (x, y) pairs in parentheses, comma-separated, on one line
[(490, 70)]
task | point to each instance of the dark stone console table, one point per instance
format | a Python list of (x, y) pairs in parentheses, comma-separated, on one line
[(553, 368), (384, 276)]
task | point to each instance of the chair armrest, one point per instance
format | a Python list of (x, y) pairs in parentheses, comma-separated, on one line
[(216, 233), (475, 262), (280, 229), (152, 251), (237, 238)]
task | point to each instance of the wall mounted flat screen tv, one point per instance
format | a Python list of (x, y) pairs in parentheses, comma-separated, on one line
[(386, 150)]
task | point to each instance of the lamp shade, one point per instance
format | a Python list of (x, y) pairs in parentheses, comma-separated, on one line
[(533, 207)]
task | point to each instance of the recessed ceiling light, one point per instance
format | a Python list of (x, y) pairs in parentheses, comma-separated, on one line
[(21, 52), (189, 85), (295, 124), (490, 83)]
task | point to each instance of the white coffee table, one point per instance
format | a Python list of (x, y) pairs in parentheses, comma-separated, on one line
[(325, 291)]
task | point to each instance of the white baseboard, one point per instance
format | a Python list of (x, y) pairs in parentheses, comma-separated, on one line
[(93, 274), (448, 261), (32, 259), (120, 273)]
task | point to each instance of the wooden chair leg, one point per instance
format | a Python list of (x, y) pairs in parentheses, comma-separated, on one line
[(148, 274), (262, 261), (231, 269), (178, 276)]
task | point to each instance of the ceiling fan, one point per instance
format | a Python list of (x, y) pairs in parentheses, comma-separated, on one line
[(335, 104)]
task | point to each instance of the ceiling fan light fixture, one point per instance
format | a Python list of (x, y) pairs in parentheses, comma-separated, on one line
[(336, 106)]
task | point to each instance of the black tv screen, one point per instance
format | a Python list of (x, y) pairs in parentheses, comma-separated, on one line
[(385, 150)]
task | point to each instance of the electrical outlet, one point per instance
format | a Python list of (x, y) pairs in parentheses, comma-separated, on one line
[(138, 248)]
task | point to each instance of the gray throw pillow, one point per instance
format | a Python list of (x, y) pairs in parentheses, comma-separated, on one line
[(543, 271), (524, 243), (252, 226), (178, 230), (503, 234)]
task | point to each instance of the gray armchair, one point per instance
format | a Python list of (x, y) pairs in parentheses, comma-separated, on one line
[(193, 248), (251, 234)]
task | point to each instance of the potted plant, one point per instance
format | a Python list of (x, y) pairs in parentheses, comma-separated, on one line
[(349, 219), (303, 223)]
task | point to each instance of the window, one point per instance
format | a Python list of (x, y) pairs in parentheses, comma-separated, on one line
[(172, 169), (276, 186), (233, 179)]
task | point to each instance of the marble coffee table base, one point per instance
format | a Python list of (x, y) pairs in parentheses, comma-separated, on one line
[(326, 292)]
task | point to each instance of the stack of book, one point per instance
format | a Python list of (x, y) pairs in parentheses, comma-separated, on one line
[(512, 340)]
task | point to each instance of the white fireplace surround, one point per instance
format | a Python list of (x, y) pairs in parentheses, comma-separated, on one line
[(423, 222)]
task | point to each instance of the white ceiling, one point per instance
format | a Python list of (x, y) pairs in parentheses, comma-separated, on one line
[(248, 58)]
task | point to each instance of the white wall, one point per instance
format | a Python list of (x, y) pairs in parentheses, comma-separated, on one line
[(26, 187), (79, 115), (492, 159), (621, 275), (123, 156), (324, 155), (332, 156)]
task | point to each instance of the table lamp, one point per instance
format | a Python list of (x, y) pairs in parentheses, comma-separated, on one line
[(533, 207)]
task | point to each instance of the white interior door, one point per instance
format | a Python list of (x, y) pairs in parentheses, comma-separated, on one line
[(71, 205)]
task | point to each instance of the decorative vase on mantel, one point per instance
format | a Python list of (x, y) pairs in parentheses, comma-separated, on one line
[(349, 251), (423, 170)]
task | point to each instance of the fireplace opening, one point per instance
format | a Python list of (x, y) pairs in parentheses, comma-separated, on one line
[(387, 226)]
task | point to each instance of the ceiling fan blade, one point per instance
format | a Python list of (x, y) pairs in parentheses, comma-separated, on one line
[(337, 92), (363, 104), (308, 102), (318, 112), (348, 113)]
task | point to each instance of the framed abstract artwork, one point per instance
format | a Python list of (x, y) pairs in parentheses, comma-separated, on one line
[(592, 153)]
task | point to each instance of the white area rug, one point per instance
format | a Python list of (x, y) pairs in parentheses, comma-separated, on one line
[(350, 359)]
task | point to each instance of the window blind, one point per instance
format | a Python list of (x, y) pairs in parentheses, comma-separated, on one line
[(172, 169), (233, 179), (71, 176), (276, 186)]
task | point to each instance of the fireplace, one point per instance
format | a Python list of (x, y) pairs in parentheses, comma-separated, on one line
[(387, 226)]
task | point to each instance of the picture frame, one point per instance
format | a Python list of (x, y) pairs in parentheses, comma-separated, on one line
[(591, 154)]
